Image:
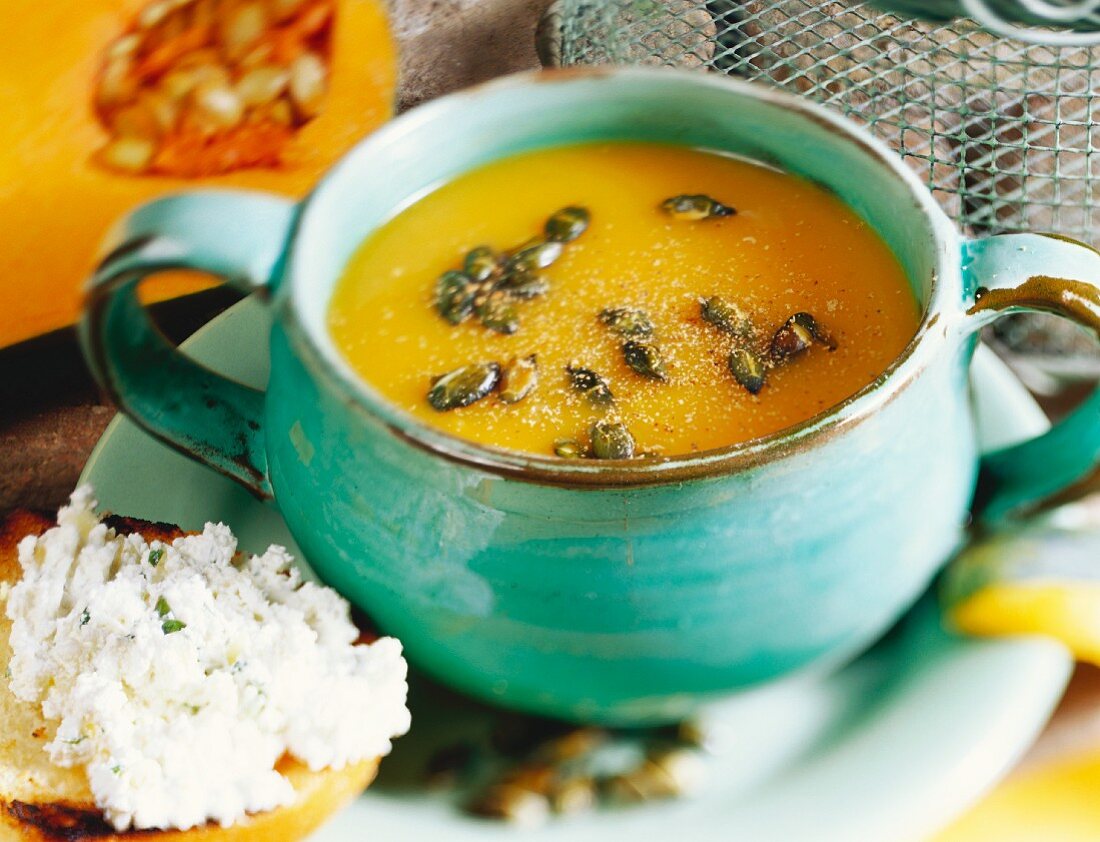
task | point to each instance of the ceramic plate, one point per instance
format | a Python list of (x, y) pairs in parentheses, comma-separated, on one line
[(889, 748)]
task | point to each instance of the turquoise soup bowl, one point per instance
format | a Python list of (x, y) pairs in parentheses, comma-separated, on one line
[(622, 592)]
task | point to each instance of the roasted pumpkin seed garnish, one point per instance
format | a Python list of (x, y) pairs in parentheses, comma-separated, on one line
[(568, 448), (627, 321), (590, 384), (747, 369), (796, 335), (645, 358), (523, 285), (454, 296), (537, 256), (519, 379), (463, 386), (611, 440), (482, 263), (565, 225), (498, 312), (695, 206), (726, 316)]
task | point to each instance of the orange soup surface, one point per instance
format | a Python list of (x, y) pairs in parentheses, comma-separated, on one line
[(790, 247)]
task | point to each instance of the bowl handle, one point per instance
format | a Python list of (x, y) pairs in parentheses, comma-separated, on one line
[(1038, 273), (236, 235)]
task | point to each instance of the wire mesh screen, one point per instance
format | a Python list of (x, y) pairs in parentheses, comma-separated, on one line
[(1001, 130)]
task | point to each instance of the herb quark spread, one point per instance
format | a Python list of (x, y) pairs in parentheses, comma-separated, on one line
[(178, 674)]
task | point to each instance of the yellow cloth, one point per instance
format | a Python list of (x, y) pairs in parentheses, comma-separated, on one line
[(1056, 802)]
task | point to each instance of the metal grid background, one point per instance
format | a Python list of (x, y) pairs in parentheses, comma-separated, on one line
[(1001, 130)]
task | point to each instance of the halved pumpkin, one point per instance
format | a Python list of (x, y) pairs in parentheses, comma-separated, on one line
[(78, 150)]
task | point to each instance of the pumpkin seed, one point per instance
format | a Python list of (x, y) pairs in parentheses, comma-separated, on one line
[(307, 84), (726, 316), (796, 335), (519, 379), (128, 154), (611, 440), (645, 358), (665, 773), (481, 263), (524, 285), (454, 296), (497, 312), (627, 321), (565, 225), (513, 803), (695, 206), (747, 369), (573, 795), (216, 106), (463, 386), (536, 256), (590, 384), (568, 448)]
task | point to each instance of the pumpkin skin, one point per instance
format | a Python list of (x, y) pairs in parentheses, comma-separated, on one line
[(57, 201)]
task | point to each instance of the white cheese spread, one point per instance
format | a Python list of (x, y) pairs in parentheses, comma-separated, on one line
[(178, 674)]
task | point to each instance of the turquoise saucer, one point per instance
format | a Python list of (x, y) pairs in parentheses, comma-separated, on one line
[(889, 748)]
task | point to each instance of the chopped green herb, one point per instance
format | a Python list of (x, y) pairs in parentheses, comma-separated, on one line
[(116, 770), (169, 626), (85, 617), (155, 556), (77, 741), (163, 608)]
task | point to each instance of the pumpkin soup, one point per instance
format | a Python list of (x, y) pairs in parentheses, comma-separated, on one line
[(621, 299)]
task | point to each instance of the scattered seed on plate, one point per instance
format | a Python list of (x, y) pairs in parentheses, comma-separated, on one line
[(463, 386), (695, 206)]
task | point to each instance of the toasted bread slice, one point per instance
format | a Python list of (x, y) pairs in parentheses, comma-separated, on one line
[(46, 803)]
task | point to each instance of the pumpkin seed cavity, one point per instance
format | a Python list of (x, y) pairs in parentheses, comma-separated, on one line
[(204, 87)]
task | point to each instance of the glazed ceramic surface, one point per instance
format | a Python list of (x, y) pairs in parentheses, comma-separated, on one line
[(888, 748), (619, 592)]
